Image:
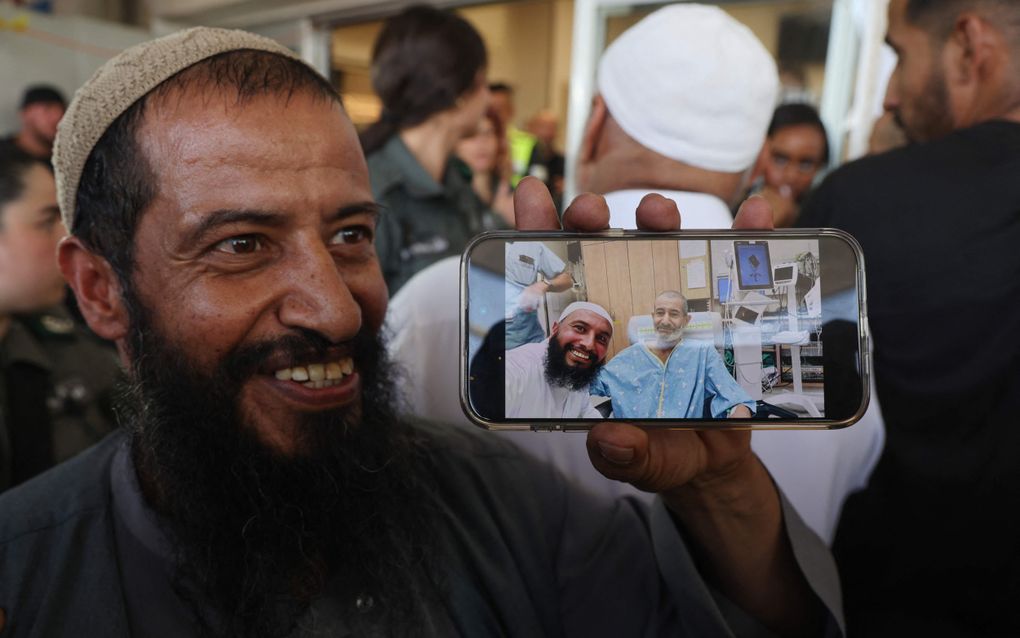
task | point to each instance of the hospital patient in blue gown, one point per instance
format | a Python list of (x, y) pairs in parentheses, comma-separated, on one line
[(670, 377)]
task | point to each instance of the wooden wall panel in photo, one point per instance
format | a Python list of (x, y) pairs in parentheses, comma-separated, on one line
[(642, 271), (667, 271), (596, 279), (620, 298), (624, 278)]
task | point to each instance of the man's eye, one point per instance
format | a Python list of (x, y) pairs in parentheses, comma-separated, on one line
[(352, 235), (240, 245)]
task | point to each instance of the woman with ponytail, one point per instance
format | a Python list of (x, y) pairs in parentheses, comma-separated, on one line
[(429, 70)]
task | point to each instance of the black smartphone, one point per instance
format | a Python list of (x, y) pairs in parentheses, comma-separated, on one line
[(692, 329)]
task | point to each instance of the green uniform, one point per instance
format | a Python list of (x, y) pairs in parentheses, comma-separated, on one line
[(56, 384), (422, 221)]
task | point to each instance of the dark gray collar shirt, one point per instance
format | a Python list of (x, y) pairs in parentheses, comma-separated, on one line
[(524, 553)]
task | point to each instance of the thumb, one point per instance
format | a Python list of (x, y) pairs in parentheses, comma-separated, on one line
[(618, 450)]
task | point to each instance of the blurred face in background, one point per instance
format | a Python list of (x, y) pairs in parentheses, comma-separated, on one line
[(481, 150), (544, 127), (917, 95), (40, 121), (30, 229), (793, 156), (503, 103)]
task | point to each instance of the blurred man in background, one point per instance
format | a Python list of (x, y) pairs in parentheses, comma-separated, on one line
[(669, 119), (547, 163), (931, 546), (521, 144), (41, 110)]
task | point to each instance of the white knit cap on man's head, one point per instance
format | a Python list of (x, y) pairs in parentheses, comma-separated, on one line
[(586, 305), (692, 84), (124, 80)]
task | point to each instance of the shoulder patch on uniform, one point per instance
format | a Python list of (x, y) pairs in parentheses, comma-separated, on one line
[(57, 325)]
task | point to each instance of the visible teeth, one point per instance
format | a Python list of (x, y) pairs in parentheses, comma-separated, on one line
[(326, 374), (318, 385)]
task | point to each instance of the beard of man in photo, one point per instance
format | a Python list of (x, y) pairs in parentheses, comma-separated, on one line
[(562, 375), (258, 535), (666, 338)]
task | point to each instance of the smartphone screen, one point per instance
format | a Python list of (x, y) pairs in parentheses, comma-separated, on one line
[(692, 329)]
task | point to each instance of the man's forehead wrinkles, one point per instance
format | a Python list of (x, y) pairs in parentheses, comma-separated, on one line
[(258, 163)]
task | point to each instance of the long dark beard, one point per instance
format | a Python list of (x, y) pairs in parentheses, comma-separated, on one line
[(559, 374), (258, 536)]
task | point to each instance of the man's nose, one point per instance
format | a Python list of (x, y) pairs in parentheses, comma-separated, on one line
[(790, 172), (588, 341), (318, 298)]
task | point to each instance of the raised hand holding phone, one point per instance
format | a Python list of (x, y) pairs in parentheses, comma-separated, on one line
[(710, 480)]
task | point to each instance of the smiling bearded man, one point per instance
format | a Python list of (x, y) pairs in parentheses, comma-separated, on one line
[(549, 379), (261, 514), (222, 226)]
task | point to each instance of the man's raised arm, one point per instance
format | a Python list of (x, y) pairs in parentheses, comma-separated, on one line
[(715, 488)]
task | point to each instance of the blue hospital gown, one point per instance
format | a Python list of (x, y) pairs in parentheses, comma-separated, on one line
[(641, 386)]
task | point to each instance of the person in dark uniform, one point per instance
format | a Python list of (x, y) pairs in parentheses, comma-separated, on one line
[(428, 68), (55, 378)]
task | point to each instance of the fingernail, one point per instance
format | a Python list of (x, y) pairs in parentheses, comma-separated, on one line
[(615, 454)]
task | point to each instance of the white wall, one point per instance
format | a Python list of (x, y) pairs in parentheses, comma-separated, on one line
[(60, 50)]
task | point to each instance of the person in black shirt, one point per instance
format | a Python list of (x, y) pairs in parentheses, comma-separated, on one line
[(932, 545)]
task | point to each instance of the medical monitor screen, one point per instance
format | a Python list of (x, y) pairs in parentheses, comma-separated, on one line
[(589, 328), (754, 267), (784, 274), (724, 289)]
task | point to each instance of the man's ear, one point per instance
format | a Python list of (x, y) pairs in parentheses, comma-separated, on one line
[(97, 288), (554, 329), (973, 59), (590, 143), (593, 129)]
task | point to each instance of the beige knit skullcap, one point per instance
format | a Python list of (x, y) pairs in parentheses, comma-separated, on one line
[(124, 80)]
